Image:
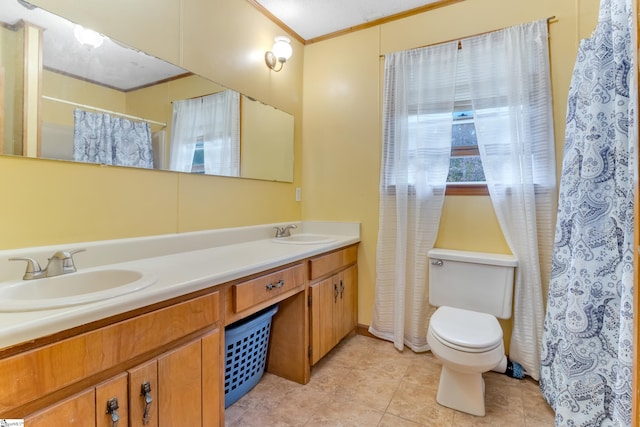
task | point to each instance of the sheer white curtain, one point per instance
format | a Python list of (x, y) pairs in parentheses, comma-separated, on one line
[(511, 97), (222, 142), (214, 121), (419, 88)]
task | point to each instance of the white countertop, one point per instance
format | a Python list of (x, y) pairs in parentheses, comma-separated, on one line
[(177, 274)]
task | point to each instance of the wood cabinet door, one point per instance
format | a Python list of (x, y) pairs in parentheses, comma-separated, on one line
[(143, 395), (347, 302), (180, 386), (78, 411), (323, 303), (111, 393), (212, 384)]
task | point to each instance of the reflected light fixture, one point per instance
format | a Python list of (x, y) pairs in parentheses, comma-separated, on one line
[(87, 37), (279, 53)]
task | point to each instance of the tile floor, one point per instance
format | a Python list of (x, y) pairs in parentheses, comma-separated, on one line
[(366, 382)]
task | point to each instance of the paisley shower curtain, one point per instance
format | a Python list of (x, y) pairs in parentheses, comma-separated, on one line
[(102, 138), (586, 370)]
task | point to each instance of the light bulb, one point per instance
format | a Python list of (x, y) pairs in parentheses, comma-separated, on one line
[(87, 37), (282, 48)]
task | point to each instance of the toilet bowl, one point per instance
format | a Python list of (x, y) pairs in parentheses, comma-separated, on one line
[(472, 290), (467, 343)]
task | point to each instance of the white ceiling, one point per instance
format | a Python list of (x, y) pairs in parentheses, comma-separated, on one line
[(315, 18), (110, 64), (132, 69)]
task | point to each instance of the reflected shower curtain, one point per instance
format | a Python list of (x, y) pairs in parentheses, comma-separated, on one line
[(92, 141), (586, 372), (419, 92), (102, 138)]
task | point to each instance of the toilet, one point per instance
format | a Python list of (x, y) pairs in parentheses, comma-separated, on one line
[(471, 290)]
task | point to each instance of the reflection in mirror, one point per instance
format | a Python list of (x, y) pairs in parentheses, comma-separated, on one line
[(97, 101)]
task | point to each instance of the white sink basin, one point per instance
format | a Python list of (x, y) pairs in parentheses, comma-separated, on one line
[(305, 239), (70, 289)]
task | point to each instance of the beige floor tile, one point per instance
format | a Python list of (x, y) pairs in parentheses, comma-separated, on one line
[(340, 413), (297, 407), (271, 388), (389, 420), (328, 377), (257, 417), (372, 388), (537, 411), (367, 382), (424, 372), (418, 404), (531, 422)]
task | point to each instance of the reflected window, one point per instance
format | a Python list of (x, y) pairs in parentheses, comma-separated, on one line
[(197, 165), (205, 136)]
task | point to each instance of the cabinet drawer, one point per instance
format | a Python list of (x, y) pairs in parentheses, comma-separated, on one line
[(252, 292), (334, 261)]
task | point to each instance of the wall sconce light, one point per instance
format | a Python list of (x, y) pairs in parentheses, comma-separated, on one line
[(280, 52), (87, 37)]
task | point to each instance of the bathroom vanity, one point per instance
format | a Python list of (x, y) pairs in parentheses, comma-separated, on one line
[(156, 356)]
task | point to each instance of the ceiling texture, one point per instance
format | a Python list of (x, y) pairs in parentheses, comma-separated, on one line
[(314, 20), (305, 20)]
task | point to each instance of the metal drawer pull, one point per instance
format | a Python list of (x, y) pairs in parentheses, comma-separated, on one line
[(279, 284), (437, 262), (112, 409), (148, 399)]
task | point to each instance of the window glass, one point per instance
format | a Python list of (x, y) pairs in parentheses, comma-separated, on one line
[(465, 165), (197, 166)]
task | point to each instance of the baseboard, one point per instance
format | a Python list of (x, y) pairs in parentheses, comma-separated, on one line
[(364, 330)]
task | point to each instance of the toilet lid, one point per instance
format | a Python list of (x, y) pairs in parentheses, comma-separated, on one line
[(467, 329)]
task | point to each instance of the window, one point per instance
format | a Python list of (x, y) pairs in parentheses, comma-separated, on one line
[(197, 165), (465, 165), (466, 176)]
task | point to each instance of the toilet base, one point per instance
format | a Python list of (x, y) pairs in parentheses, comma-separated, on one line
[(461, 391)]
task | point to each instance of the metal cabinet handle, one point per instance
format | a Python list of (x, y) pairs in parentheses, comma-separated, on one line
[(112, 409), (437, 262), (341, 288), (335, 292), (278, 284), (148, 399)]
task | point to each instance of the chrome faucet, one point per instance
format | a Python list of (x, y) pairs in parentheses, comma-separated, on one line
[(60, 263), (284, 231)]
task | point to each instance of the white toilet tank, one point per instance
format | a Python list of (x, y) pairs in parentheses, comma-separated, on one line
[(475, 281)]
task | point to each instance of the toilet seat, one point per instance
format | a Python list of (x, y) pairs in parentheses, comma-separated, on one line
[(465, 330)]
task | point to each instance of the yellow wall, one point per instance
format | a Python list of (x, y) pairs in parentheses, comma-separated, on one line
[(342, 118), (68, 88), (47, 202), (266, 148)]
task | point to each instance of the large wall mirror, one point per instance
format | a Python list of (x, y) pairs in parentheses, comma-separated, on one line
[(69, 93)]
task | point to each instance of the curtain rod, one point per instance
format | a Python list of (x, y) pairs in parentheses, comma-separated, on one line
[(550, 20), (115, 113)]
